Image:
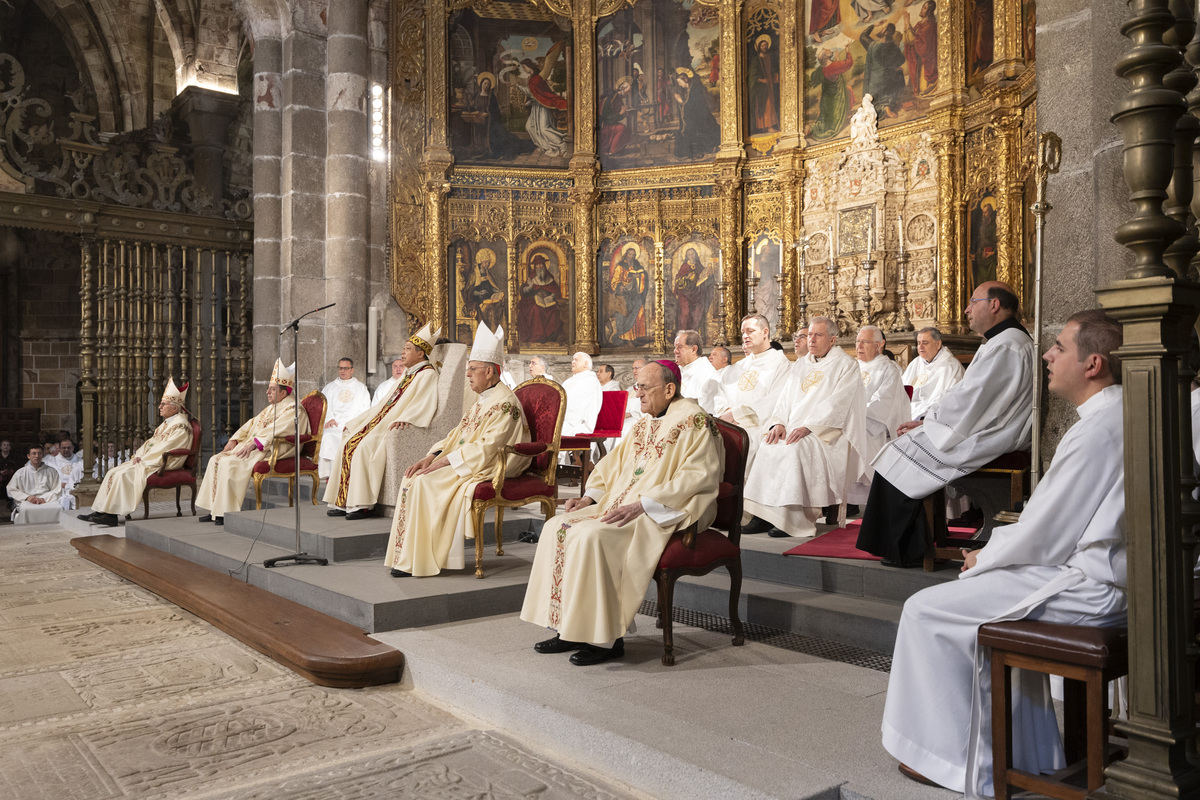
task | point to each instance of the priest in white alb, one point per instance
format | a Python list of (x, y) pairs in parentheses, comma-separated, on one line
[(384, 389), (813, 442), (584, 397), (595, 561), (346, 397), (984, 416), (608, 378), (700, 381), (360, 462), (932, 372), (228, 472), (1063, 562), (122, 488), (433, 512), (34, 490), (887, 402), (720, 359), (750, 387)]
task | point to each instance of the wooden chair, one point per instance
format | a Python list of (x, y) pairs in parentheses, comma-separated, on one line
[(314, 405), (544, 403), (1087, 657), (608, 426), (693, 552), (175, 478), (1013, 467)]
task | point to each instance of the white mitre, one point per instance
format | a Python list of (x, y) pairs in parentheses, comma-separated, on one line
[(173, 394), (284, 376), (488, 347), (424, 338)]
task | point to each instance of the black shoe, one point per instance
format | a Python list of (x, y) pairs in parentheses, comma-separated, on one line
[(557, 645), (335, 512), (362, 513), (528, 537), (219, 521), (399, 573), (775, 533), (205, 518), (852, 510), (87, 517), (831, 514), (888, 562), (107, 520), (590, 655), (757, 525)]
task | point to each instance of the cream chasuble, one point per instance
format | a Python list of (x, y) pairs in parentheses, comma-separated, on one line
[(825, 396), (122, 487), (346, 399), (433, 514), (227, 475), (589, 577), (887, 410), (931, 379)]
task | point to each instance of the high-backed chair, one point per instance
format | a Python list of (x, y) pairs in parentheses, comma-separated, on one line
[(544, 403), (694, 552), (177, 478), (1011, 467), (315, 405), (608, 426)]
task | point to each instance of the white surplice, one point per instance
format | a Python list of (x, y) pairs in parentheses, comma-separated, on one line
[(584, 399), (887, 409), (987, 414), (384, 390), (749, 390), (612, 386), (789, 483), (931, 379), (43, 483), (1064, 562), (70, 473), (700, 383), (346, 400)]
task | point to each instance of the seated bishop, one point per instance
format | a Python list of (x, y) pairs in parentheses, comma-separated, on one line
[(360, 462), (750, 387), (228, 472), (887, 402), (433, 511), (346, 397), (122, 487), (595, 561), (987, 414), (1063, 562), (34, 490), (932, 372), (813, 443)]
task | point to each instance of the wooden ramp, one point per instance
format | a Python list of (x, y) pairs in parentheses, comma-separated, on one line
[(325, 650)]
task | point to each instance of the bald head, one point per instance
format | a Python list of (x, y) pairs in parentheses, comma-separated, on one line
[(991, 303)]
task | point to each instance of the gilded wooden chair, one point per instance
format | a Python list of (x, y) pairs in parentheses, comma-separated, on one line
[(608, 426), (175, 478), (314, 405)]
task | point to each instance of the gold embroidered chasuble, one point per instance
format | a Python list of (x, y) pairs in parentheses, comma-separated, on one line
[(433, 514), (227, 475), (589, 577), (362, 458), (121, 490)]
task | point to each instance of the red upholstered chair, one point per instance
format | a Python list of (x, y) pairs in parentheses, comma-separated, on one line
[(175, 478), (314, 405), (608, 426), (544, 403), (693, 552), (1013, 467)]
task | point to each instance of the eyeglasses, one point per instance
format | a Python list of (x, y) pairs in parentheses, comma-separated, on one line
[(641, 388), (979, 299)]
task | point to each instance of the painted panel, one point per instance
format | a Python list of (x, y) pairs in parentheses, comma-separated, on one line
[(480, 277), (544, 297), (981, 239), (761, 37), (693, 269), (626, 292)]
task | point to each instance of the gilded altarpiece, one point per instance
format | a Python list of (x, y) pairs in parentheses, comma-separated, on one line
[(626, 213)]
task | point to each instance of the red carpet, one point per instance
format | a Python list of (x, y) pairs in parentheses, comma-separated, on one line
[(839, 543)]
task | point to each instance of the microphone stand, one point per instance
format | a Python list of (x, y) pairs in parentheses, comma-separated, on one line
[(298, 556)]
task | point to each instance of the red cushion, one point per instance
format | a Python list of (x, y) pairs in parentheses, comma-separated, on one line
[(521, 487), (574, 443), (285, 466), (530, 448), (541, 403), (711, 546), (170, 478), (598, 435)]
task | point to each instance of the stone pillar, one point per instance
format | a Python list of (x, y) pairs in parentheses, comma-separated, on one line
[(208, 114), (268, 222), (347, 206)]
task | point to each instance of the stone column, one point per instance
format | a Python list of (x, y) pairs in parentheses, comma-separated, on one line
[(268, 229), (208, 115)]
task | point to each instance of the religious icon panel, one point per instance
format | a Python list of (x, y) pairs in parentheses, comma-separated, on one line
[(626, 292), (766, 261), (480, 274), (543, 306), (762, 77), (981, 238), (693, 267)]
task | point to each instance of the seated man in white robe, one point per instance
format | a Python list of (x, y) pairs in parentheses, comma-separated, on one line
[(700, 382), (987, 414), (346, 398), (123, 485), (34, 490), (538, 368), (607, 377), (1063, 562), (70, 471), (384, 390), (932, 372), (812, 448), (720, 358), (433, 511), (228, 472), (750, 387), (583, 397), (800, 342), (595, 561), (353, 487), (887, 403)]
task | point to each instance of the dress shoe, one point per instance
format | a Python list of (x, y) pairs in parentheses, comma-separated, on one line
[(399, 573), (219, 521), (87, 517), (362, 513), (590, 655), (852, 510), (913, 775), (205, 518), (756, 525), (557, 645), (775, 533), (890, 562), (107, 520), (335, 512), (528, 537)]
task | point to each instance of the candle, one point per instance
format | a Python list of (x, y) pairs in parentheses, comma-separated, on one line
[(781, 257), (870, 238), (829, 237), (900, 227)]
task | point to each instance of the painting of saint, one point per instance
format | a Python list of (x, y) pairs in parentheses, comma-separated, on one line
[(762, 70), (983, 238), (699, 134), (693, 291), (836, 98), (541, 305), (824, 18), (616, 126), (920, 49), (483, 297), (980, 38), (626, 316), (1029, 29), (883, 78), (542, 123)]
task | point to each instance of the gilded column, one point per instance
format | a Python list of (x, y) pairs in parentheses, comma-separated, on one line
[(952, 56), (729, 190), (732, 100), (1010, 217), (437, 188), (950, 265), (1009, 56), (583, 198), (791, 83), (87, 352), (437, 148), (792, 186), (660, 299)]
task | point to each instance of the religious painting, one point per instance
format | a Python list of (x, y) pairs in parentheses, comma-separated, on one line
[(1029, 29), (479, 271), (1028, 238), (657, 77), (981, 36), (626, 292), (765, 262), (981, 237), (510, 87), (693, 267), (856, 230), (879, 48), (543, 297), (761, 39)]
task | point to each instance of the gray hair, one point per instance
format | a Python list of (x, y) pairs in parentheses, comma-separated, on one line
[(692, 339), (830, 325), (540, 361), (933, 332), (586, 358), (877, 334)]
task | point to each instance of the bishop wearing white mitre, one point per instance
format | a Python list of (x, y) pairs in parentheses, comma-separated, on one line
[(123, 485), (1063, 562), (932, 372), (360, 462), (433, 512), (228, 472), (750, 387), (813, 442), (887, 402), (346, 398)]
